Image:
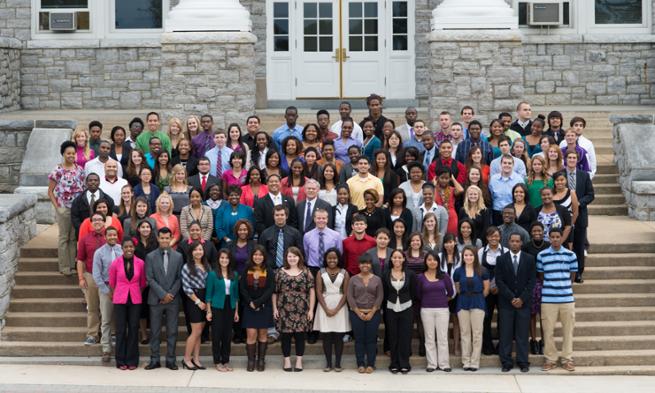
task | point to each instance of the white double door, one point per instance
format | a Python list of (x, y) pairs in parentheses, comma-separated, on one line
[(352, 48)]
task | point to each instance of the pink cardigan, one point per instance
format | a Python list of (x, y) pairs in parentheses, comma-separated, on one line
[(122, 286)]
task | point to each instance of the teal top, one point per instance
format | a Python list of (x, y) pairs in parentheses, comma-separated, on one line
[(215, 288), (534, 191), (369, 148)]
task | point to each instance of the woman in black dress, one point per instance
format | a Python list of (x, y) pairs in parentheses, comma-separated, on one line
[(375, 216)]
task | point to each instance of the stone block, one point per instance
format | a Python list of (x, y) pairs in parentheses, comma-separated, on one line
[(40, 157), (545, 87), (68, 124), (16, 125), (44, 211)]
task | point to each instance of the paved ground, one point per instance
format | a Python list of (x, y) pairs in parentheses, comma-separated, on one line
[(33, 378)]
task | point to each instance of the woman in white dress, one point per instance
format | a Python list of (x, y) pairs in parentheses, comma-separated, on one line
[(332, 313)]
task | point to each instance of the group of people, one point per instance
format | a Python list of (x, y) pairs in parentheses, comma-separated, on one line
[(329, 230)]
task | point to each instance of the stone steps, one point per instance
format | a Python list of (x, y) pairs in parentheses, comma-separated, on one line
[(614, 299), (619, 272), (608, 210), (622, 248), (607, 169), (604, 189), (609, 199), (610, 259)]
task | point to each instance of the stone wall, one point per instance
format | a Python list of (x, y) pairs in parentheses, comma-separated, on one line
[(92, 77), (17, 227), (633, 142), (15, 19), (9, 74), (481, 69), (589, 73), (13, 140), (209, 73)]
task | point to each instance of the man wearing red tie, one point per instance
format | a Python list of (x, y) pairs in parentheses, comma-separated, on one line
[(203, 180)]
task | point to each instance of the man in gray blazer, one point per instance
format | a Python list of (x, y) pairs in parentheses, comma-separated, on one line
[(163, 271), (306, 208), (411, 115)]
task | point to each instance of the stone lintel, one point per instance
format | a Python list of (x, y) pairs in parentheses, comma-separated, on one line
[(475, 36), (634, 119), (16, 125), (94, 44), (212, 37), (643, 187), (12, 205), (12, 43)]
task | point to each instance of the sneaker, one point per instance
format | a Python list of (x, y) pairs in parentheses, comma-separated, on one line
[(548, 366), (90, 341), (568, 366)]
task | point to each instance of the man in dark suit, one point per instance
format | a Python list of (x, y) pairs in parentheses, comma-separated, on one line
[(305, 209), (264, 206), (516, 275), (580, 182), (163, 271), (280, 230), (203, 180), (82, 205)]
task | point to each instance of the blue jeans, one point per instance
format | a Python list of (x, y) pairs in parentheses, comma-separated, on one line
[(366, 335)]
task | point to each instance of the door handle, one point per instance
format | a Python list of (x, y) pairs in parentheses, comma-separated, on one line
[(337, 55), (343, 55)]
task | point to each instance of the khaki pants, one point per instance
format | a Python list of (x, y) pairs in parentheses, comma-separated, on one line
[(92, 306), (550, 312), (67, 242), (470, 328), (435, 326), (106, 312)]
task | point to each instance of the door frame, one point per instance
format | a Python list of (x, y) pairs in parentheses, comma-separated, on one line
[(282, 71)]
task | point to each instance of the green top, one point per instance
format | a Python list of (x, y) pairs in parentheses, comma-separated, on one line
[(534, 191), (143, 141), (215, 294)]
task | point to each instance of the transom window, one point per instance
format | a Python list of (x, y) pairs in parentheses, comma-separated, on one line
[(613, 12), (281, 27), (317, 27), (363, 26), (399, 25)]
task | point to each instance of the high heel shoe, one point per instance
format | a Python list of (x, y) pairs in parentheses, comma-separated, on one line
[(187, 367), (198, 367)]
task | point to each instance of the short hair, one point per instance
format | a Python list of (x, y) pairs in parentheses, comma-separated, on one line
[(504, 114), (329, 142), (475, 123), (514, 233), (204, 158), (427, 185), (320, 210), (111, 228), (558, 230), (415, 164), (373, 193), (322, 112), (253, 117), (136, 120), (578, 119), (353, 147), (220, 131), (536, 224), (96, 175), (372, 97), (95, 123), (456, 124), (65, 145), (152, 139), (272, 175), (506, 157), (290, 108), (520, 104), (105, 142), (365, 259), (467, 107), (207, 115), (505, 138), (572, 151), (555, 115), (345, 103), (312, 181), (164, 230), (443, 113), (362, 157), (152, 113), (358, 217), (283, 208), (234, 190)]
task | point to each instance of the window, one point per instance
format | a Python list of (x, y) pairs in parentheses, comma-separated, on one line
[(363, 26), (281, 27), (617, 12), (80, 8), (317, 27), (399, 25), (138, 14), (523, 13)]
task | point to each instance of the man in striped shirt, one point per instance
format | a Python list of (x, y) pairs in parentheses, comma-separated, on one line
[(557, 267)]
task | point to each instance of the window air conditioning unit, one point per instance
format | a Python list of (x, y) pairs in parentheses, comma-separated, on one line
[(63, 21), (545, 13)]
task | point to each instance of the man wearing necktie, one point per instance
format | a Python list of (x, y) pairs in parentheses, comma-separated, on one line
[(306, 208), (515, 278), (163, 272), (277, 238)]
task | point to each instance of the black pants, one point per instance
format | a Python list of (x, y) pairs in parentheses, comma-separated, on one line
[(222, 332), (126, 318), (299, 338), (492, 304), (399, 325), (515, 327), (329, 340), (579, 240)]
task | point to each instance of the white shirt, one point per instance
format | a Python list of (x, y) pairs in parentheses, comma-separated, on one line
[(340, 220), (277, 199), (113, 189), (357, 134), (98, 167), (227, 285), (96, 195), (588, 145), (261, 163)]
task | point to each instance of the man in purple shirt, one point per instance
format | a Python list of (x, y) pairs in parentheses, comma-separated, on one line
[(319, 240), (205, 140)]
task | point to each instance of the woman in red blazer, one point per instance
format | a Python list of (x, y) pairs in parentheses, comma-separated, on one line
[(127, 278)]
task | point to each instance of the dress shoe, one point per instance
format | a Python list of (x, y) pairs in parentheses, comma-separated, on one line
[(525, 369), (186, 366), (197, 365), (153, 365), (473, 369), (447, 369), (541, 347), (506, 369), (172, 366), (534, 347), (430, 369)]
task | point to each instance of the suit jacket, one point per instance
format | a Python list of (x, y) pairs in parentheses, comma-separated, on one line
[(263, 213), (122, 286), (300, 209), (346, 173), (352, 209), (268, 239), (80, 208), (584, 190), (191, 164), (195, 182), (127, 151), (511, 285), (161, 283), (373, 253), (403, 131)]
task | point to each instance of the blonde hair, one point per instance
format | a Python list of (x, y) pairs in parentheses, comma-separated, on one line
[(178, 168), (158, 202), (186, 125), (178, 123), (87, 146), (532, 173), (473, 209)]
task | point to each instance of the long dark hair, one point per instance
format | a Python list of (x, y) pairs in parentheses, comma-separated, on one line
[(449, 237), (133, 217), (191, 265), (389, 175), (251, 265), (404, 266), (230, 266), (460, 238), (477, 268), (435, 255)]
